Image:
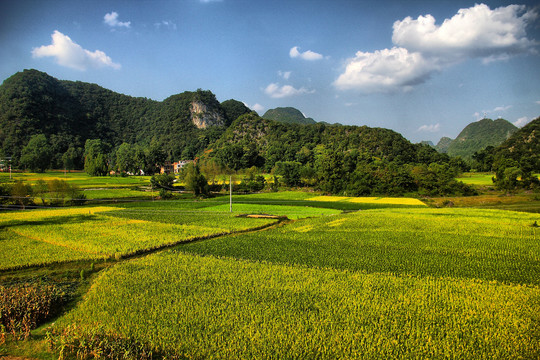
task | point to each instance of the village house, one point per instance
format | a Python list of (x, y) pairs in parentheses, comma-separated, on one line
[(174, 167)]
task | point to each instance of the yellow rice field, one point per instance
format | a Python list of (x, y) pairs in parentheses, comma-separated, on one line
[(370, 200)]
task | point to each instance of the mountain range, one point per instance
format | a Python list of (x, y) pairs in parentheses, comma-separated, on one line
[(191, 123)]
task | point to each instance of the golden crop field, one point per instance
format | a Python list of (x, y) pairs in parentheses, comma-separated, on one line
[(386, 283)]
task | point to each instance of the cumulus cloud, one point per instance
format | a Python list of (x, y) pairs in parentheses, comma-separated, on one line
[(111, 19), (278, 92), (306, 55), (422, 47), (522, 121), (432, 128), (385, 71), (471, 33), (257, 107), (70, 54)]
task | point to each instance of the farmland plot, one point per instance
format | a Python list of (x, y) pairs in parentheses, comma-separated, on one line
[(395, 283), (189, 306), (48, 236), (483, 244)]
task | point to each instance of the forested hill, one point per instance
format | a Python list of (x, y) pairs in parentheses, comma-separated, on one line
[(337, 159), (68, 113), (288, 115), (522, 148), (48, 123), (479, 135)]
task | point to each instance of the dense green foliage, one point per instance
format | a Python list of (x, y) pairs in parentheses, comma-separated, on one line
[(288, 115), (516, 161), (337, 159), (48, 123), (233, 109), (69, 113), (479, 135)]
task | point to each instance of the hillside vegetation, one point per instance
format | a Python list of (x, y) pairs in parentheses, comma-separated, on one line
[(69, 113), (288, 115), (47, 123), (477, 136)]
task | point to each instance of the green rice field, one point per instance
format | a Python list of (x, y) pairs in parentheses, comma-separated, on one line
[(341, 278)]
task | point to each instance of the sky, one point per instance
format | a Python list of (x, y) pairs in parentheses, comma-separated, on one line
[(425, 69)]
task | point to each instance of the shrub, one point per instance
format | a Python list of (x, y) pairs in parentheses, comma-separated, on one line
[(25, 306)]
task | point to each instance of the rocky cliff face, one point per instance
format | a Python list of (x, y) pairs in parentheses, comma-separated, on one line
[(204, 117)]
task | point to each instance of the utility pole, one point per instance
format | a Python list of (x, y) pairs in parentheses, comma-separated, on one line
[(230, 192)]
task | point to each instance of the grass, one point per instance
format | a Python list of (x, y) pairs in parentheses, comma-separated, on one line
[(121, 193), (517, 202), (478, 179)]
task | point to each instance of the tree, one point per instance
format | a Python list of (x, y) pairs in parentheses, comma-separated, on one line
[(95, 160), (125, 161), (289, 172), (195, 180), (155, 157), (71, 159), (36, 155), (21, 193), (40, 190), (59, 190), (164, 181)]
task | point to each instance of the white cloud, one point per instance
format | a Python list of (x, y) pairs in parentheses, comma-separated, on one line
[(475, 32), (385, 70), (522, 121), (277, 92), (423, 47), (166, 24), (502, 108), (111, 19), (285, 74), (432, 128), (306, 55), (67, 53), (209, 1), (537, 102), (258, 107)]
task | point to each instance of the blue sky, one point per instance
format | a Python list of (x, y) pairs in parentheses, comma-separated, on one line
[(423, 68)]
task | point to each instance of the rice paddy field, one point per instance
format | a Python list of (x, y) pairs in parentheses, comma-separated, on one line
[(342, 278), (82, 179)]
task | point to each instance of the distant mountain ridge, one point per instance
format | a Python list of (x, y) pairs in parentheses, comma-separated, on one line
[(443, 144), (288, 115), (477, 136)]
